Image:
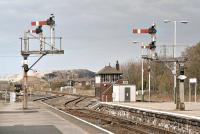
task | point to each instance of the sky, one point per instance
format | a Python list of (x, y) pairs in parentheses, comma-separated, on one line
[(95, 32)]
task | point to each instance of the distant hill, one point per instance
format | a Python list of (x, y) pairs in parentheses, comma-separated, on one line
[(84, 73), (68, 74)]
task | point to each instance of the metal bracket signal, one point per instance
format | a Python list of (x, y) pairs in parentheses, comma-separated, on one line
[(47, 45)]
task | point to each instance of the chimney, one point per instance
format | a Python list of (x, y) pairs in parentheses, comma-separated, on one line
[(117, 65)]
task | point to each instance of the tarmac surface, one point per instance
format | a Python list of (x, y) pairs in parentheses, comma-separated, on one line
[(39, 119), (191, 108)]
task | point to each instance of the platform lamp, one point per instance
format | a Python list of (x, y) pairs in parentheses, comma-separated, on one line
[(174, 51)]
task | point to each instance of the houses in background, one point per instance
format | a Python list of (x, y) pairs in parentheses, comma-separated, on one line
[(4, 85), (108, 83), (81, 82)]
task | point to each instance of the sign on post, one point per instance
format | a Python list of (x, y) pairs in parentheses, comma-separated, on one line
[(193, 81), (12, 97)]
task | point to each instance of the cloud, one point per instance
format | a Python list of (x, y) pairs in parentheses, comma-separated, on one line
[(96, 29)]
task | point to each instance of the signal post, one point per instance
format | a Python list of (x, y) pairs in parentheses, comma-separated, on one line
[(45, 47), (152, 31)]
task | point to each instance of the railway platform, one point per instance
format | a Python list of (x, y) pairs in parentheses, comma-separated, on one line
[(41, 119), (191, 108), (163, 115)]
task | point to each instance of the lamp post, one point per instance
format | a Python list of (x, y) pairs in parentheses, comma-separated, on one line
[(141, 44), (174, 52)]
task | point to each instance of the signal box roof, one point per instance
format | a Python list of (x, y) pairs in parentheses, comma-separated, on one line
[(109, 70)]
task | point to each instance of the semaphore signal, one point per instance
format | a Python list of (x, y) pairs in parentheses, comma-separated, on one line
[(26, 50), (152, 45)]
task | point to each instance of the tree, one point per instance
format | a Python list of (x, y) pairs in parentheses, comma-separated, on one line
[(193, 63), (161, 78), (132, 71)]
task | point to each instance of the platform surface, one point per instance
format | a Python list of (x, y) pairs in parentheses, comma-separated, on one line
[(38, 119), (191, 108)]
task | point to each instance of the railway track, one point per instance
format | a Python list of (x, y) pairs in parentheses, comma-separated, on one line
[(71, 101), (81, 99), (112, 123), (47, 98), (63, 93)]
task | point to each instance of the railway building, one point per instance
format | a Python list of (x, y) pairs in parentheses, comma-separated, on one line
[(109, 84)]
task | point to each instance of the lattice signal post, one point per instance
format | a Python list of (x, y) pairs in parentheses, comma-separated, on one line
[(47, 45)]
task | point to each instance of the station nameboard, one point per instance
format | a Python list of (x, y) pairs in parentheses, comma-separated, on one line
[(193, 80)]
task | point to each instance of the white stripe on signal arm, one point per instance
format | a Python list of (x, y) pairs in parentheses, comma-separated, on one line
[(139, 31), (37, 23)]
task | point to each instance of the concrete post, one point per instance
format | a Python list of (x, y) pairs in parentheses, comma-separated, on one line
[(25, 99), (25, 80), (149, 83), (195, 92), (181, 86), (181, 91), (25, 92), (180, 97), (6, 96)]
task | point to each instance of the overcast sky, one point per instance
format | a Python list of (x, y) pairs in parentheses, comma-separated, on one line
[(95, 32)]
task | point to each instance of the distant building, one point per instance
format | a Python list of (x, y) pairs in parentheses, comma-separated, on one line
[(4, 85), (81, 82), (106, 78), (85, 81), (70, 83)]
